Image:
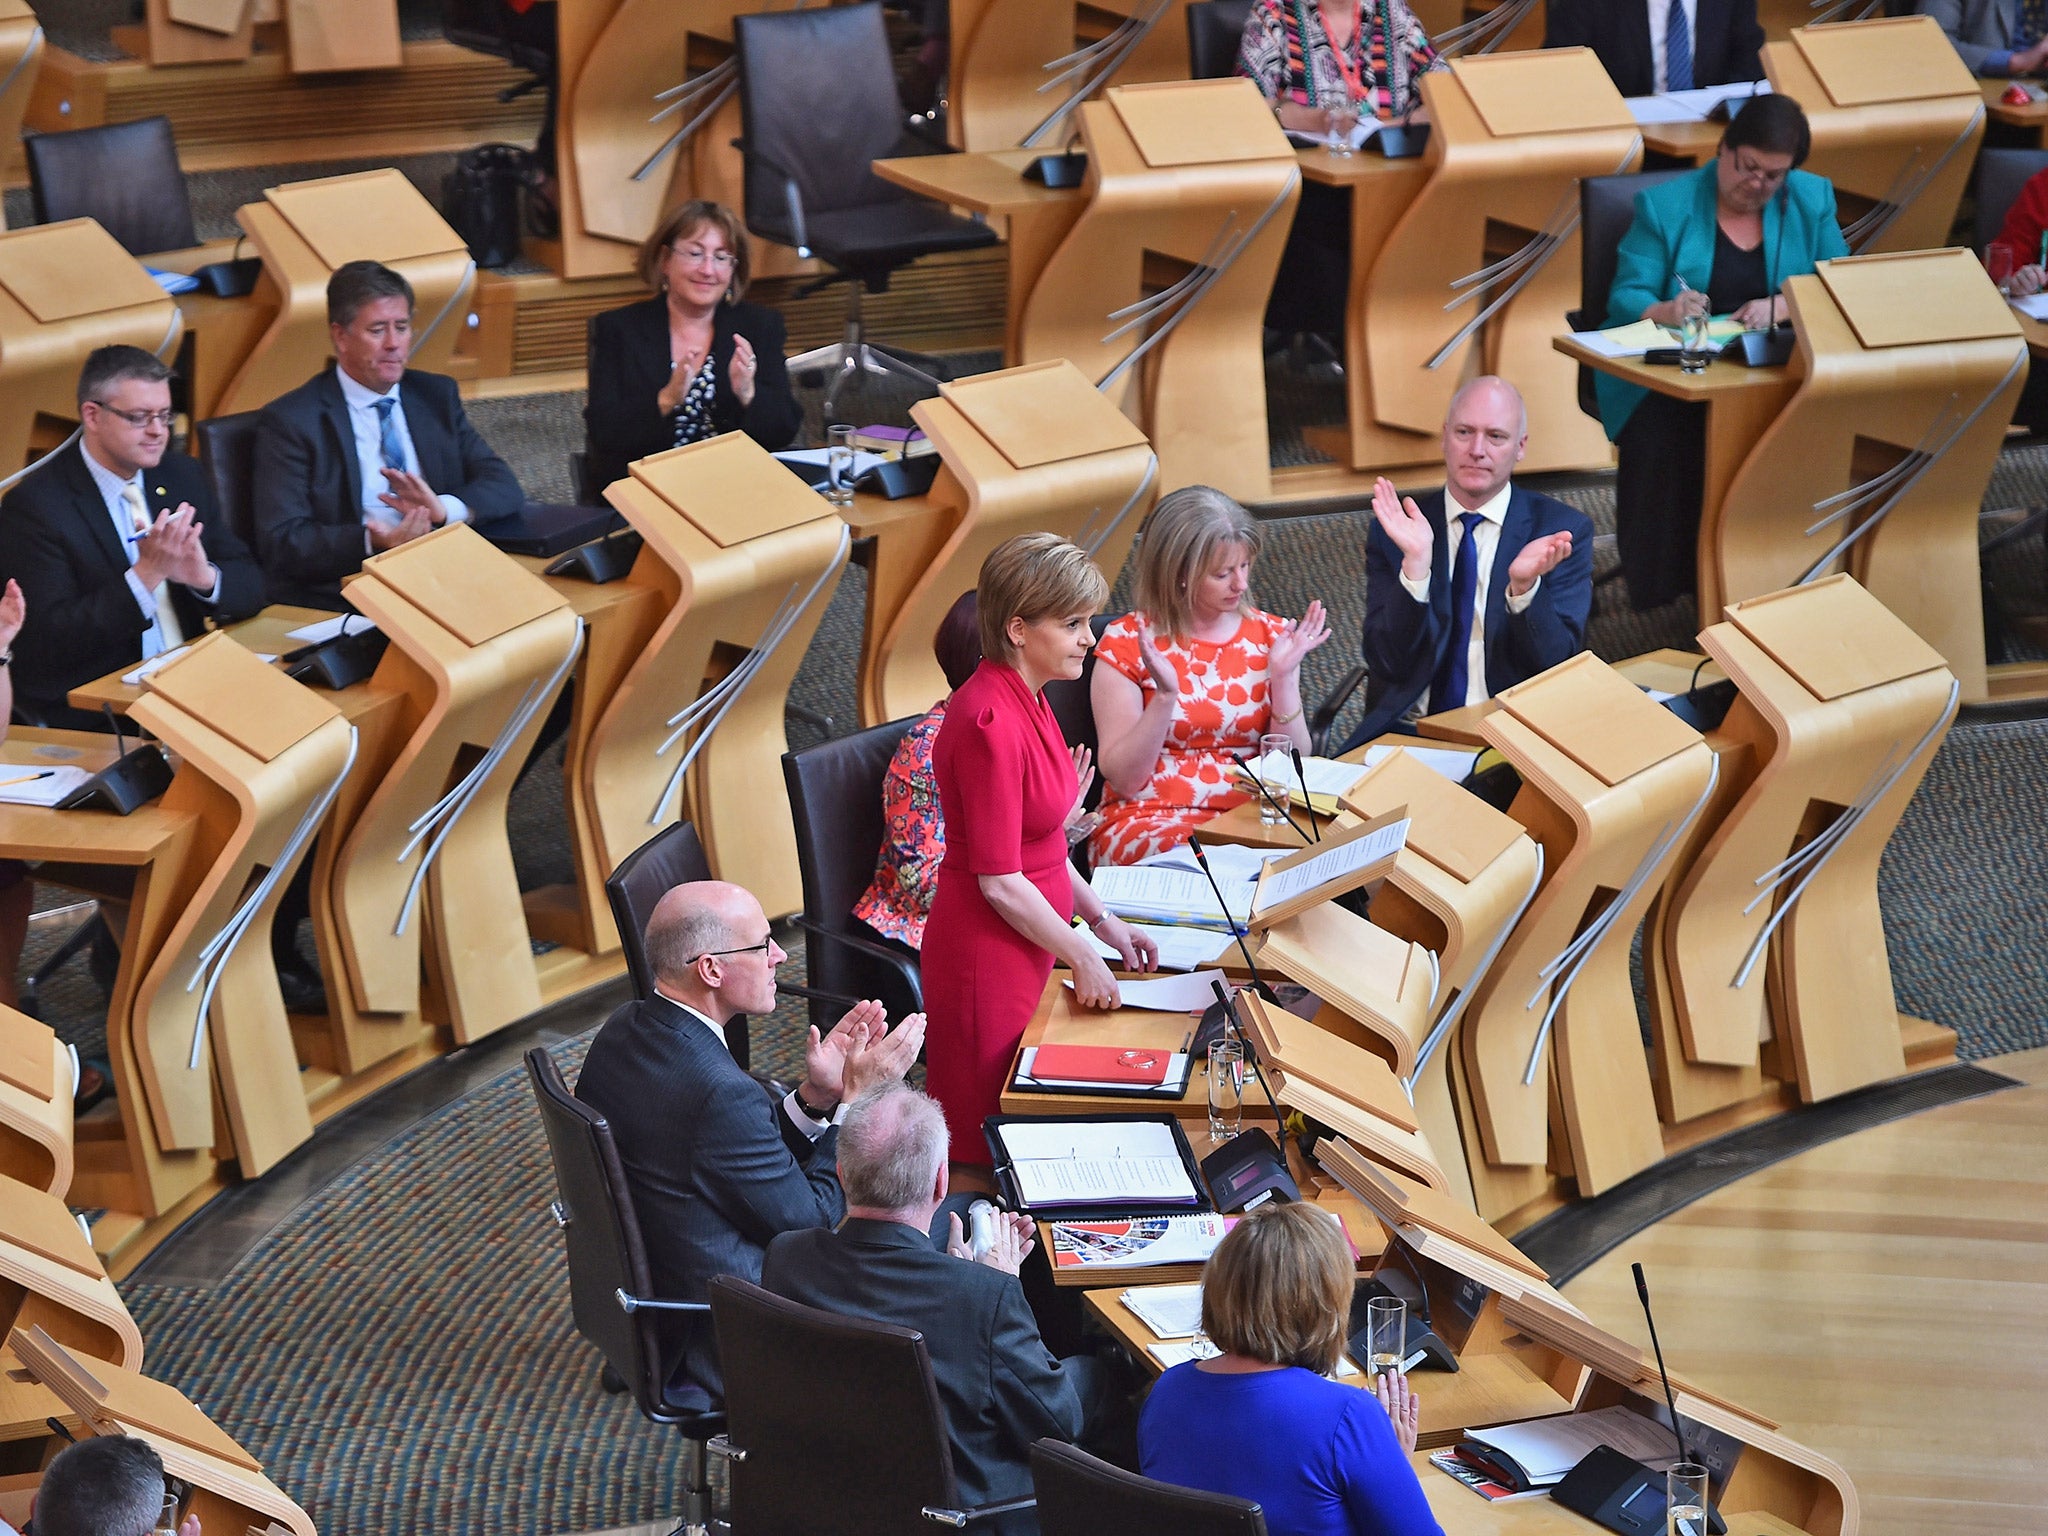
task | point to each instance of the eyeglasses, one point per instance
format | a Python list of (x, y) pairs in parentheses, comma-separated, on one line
[(764, 945), (696, 256), (1749, 171), (136, 418)]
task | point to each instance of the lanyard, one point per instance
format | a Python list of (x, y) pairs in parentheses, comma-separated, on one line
[(1353, 78)]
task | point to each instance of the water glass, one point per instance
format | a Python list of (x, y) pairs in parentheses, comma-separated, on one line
[(1343, 123), (839, 466), (1693, 346), (1276, 774), (1386, 1334), (1999, 265), (167, 1517), (1685, 1500), (1226, 1089)]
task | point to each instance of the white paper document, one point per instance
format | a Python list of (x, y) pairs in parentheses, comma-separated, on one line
[(1546, 1449), (23, 784), (1328, 775), (1156, 894), (327, 629), (1171, 1311), (1285, 884), (1232, 864), (163, 659), (1691, 106), (1365, 130), (1076, 1162), (1169, 994), (1180, 949), (2034, 306), (1454, 763)]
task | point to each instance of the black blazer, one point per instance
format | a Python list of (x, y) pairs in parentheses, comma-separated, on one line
[(308, 484), (58, 541), (1725, 40), (1000, 1386), (716, 1167), (1404, 639), (629, 365)]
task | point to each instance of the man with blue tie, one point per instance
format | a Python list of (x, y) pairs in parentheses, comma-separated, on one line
[(1996, 38), (1458, 608), (1651, 46), (369, 454)]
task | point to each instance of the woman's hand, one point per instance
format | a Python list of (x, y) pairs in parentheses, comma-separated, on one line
[(1758, 314), (741, 374), (1094, 987), (1403, 1407), (670, 400), (2028, 281), (1084, 774), (1301, 117), (13, 612), (1672, 312), (1165, 680), (1136, 950), (1297, 640)]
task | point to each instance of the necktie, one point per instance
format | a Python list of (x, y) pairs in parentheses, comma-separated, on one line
[(1678, 48), (167, 634), (389, 448), (1453, 674)]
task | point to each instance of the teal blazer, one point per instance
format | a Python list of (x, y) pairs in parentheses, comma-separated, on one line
[(1673, 236)]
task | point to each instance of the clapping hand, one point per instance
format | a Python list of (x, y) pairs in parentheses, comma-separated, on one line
[(13, 613), (171, 550), (1012, 1246), (1403, 1407), (1157, 667), (860, 1053), (741, 374), (1537, 559), (1297, 640), (1402, 522), (409, 493)]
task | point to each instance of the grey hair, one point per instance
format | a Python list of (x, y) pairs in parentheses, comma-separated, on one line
[(109, 1485), (672, 943), (891, 1146)]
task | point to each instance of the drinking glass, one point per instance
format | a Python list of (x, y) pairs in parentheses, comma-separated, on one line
[(167, 1517), (1685, 1500), (839, 465), (1693, 350), (1386, 1334), (1276, 774), (1343, 122), (2000, 265), (1226, 1088)]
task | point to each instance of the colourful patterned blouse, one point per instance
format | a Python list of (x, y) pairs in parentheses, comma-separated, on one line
[(1288, 53), (1223, 711), (899, 899)]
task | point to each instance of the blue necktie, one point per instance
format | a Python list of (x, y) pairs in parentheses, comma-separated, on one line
[(389, 447), (1453, 676), (1677, 48)]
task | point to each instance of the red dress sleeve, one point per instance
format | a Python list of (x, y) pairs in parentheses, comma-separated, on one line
[(2025, 220), (985, 813)]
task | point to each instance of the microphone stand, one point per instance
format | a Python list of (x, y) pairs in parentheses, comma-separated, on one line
[(1266, 794), (1301, 778)]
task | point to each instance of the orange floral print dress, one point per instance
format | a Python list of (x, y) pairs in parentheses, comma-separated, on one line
[(1223, 712)]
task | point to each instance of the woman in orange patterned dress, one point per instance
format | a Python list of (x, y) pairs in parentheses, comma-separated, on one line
[(1191, 678)]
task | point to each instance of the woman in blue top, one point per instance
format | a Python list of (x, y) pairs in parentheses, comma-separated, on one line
[(1724, 238), (1263, 1420)]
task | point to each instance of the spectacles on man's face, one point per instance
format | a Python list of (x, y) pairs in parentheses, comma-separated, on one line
[(140, 420), (697, 255), (763, 946)]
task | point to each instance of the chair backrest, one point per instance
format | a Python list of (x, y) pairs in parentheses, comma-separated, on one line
[(227, 447), (495, 28), (1071, 706), (673, 856), (600, 1235), (1215, 34), (1079, 1495), (818, 103), (126, 175), (835, 798), (839, 1418), (1607, 206), (2000, 175)]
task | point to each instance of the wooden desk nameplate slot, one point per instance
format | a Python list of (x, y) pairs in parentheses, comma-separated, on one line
[(35, 1103)]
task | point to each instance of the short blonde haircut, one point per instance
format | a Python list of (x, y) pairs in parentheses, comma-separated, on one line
[(1031, 577), (1278, 1288), (685, 220), (1177, 544)]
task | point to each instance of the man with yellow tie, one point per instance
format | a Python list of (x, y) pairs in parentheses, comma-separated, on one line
[(116, 543)]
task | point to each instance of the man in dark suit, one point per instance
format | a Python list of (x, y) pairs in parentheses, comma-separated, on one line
[(369, 454), (1456, 611), (999, 1385), (116, 543), (1652, 46), (716, 1165)]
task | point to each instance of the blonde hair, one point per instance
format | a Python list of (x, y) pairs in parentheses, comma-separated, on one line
[(687, 219), (1031, 577), (1176, 546), (1278, 1288)]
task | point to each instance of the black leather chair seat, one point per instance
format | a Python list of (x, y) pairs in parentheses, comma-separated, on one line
[(892, 234)]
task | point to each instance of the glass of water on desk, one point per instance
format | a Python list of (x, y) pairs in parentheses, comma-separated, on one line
[(1226, 1089), (1694, 349), (839, 465), (1386, 1334), (1276, 776), (1685, 1500), (1343, 123)]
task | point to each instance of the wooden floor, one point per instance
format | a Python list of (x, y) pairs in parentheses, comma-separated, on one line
[(1886, 1298)]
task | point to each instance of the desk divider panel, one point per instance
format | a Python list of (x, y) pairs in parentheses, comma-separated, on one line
[(51, 1278)]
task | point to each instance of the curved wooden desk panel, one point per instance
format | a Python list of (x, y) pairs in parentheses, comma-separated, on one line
[(35, 1103), (1201, 394), (464, 701), (249, 783), (1004, 81), (21, 58), (49, 1277), (1855, 414)]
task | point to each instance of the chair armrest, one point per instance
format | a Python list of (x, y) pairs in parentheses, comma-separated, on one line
[(793, 199), (960, 1519), (629, 1303), (813, 994), (903, 965), (1324, 715)]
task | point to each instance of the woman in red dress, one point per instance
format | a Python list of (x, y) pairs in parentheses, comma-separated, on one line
[(1007, 891)]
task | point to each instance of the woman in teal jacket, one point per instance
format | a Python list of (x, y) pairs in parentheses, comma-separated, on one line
[(1724, 239)]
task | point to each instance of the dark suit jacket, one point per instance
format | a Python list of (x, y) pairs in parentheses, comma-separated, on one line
[(57, 540), (716, 1167), (629, 364), (999, 1385), (1404, 639), (309, 497), (1725, 40)]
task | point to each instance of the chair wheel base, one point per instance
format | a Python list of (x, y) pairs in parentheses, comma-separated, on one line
[(613, 1383)]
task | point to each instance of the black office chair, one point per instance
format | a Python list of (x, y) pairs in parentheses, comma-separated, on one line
[(818, 103), (1607, 206), (610, 1284), (125, 175), (833, 1424), (835, 796), (1215, 34), (227, 447), (2000, 175), (524, 40), (1081, 1495), (672, 857)]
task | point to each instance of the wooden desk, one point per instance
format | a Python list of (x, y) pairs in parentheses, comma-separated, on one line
[(265, 633), (2033, 116), (1693, 142)]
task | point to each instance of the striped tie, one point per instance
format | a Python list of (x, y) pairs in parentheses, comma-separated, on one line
[(1677, 48)]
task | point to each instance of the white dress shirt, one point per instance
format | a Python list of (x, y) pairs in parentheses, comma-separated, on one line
[(1485, 540), (803, 1122), (112, 488), (369, 431), (1660, 78)]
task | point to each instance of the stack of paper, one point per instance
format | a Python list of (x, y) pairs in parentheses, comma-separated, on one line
[(1634, 339), (1154, 894), (327, 629), (1170, 994), (1692, 106), (1109, 1162), (24, 784), (1171, 1311), (1546, 1449), (1454, 763), (1180, 949)]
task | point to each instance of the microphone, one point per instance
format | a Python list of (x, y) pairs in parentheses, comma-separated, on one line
[(1259, 784), (1302, 779), (1251, 1048), (1670, 1401), (1236, 932)]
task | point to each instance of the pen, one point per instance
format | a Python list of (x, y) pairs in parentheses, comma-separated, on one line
[(1188, 1044), (2042, 261), (28, 778)]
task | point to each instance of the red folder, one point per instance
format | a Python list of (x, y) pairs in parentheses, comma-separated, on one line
[(1107, 1064)]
